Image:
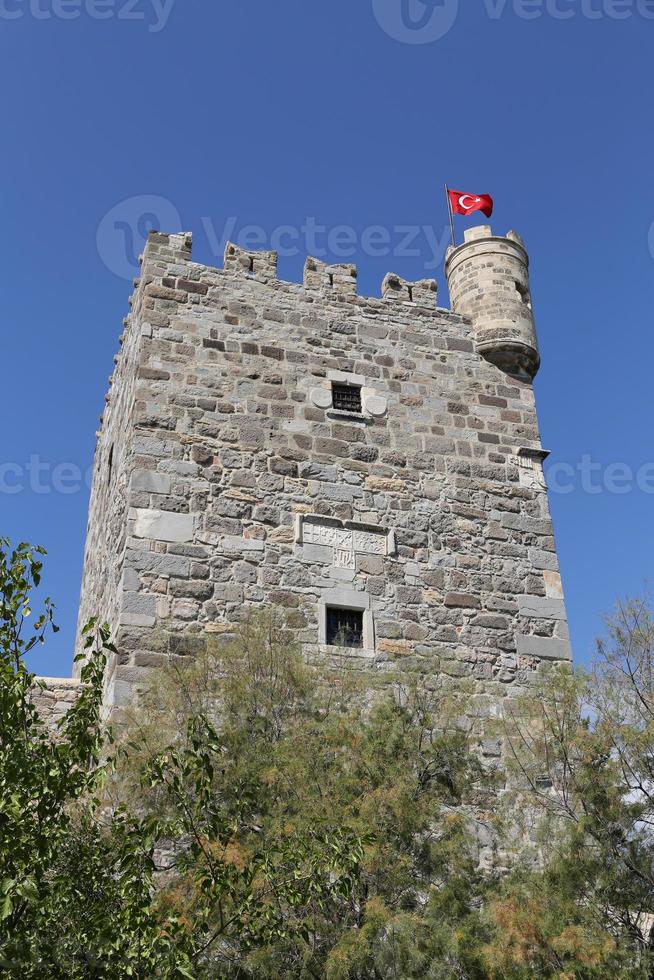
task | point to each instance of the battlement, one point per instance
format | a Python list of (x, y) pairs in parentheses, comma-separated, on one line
[(479, 232), (338, 281), (488, 278)]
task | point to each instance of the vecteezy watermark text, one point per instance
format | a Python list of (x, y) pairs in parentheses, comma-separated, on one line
[(339, 241), (426, 21), (590, 477), (42, 477), (39, 476), (569, 9), (154, 13), (124, 229)]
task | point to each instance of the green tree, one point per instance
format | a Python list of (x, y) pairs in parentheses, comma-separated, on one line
[(583, 754), (261, 817), (75, 880), (264, 823), (345, 818)]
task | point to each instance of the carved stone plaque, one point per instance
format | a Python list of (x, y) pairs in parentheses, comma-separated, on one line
[(334, 537), (371, 542), (344, 559), (345, 537), (531, 473)]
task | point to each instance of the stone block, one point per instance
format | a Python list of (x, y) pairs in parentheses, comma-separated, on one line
[(163, 526), (544, 647), (318, 471), (541, 607), (232, 543), (138, 602), (150, 481), (543, 559), (459, 600), (202, 590), (370, 564), (131, 580), (319, 553), (553, 584), (162, 564), (119, 694)]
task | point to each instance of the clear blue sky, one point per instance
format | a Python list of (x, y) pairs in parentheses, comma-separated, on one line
[(251, 112)]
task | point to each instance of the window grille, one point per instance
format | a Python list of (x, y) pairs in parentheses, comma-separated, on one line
[(344, 627), (346, 398)]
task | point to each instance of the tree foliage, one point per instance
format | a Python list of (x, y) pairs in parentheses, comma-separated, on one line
[(75, 881), (259, 817), (583, 755), (347, 823), (257, 820)]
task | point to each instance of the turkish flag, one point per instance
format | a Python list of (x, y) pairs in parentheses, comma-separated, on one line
[(468, 203)]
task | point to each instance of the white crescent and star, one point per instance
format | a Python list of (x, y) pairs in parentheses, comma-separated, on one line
[(468, 197)]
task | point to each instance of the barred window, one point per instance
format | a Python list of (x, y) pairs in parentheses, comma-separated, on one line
[(344, 627), (346, 398)]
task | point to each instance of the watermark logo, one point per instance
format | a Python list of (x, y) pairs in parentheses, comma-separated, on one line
[(123, 231), (426, 21), (339, 243), (416, 21), (154, 13)]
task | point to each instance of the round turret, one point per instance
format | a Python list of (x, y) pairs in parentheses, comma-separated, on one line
[(488, 279)]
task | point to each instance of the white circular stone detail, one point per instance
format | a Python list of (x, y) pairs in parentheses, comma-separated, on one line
[(376, 405), (321, 397)]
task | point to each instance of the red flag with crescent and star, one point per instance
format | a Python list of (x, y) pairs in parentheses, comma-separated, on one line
[(469, 203)]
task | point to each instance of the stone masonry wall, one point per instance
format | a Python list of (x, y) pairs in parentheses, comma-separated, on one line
[(53, 697), (234, 483)]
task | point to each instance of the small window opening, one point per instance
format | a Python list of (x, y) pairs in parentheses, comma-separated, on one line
[(346, 398), (110, 464), (344, 627), (524, 294), (410, 288), (330, 280), (251, 267)]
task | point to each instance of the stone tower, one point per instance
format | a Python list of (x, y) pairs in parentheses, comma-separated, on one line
[(371, 465), (488, 279)]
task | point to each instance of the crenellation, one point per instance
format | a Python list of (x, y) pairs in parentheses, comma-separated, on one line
[(422, 292), (254, 264), (339, 280)]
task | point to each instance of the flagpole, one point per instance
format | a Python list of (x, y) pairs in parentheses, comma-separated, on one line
[(449, 209)]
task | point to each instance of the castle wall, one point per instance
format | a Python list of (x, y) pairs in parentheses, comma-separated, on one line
[(235, 483), (53, 697)]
